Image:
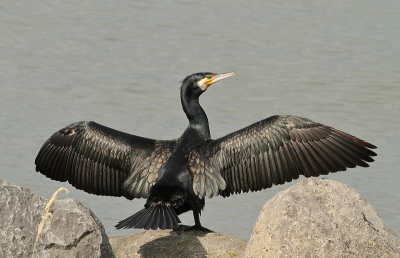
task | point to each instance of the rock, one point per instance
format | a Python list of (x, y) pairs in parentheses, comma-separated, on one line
[(72, 231), (321, 218), (169, 243)]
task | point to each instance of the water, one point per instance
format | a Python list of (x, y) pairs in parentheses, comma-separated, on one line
[(119, 63)]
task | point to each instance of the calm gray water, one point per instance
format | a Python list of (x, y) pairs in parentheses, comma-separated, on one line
[(119, 63)]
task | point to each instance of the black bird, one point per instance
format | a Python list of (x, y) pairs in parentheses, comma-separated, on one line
[(176, 175)]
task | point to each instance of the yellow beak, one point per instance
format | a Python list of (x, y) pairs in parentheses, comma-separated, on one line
[(219, 77)]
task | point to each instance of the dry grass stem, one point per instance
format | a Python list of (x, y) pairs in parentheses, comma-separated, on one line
[(47, 214)]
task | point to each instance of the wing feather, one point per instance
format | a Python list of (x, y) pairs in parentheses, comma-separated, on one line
[(97, 159), (268, 170), (277, 150)]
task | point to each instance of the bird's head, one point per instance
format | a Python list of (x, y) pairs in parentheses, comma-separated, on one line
[(198, 83)]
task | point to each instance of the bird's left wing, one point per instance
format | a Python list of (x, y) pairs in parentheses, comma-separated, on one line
[(274, 151)]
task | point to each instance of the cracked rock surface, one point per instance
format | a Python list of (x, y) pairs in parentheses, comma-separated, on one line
[(177, 243), (72, 231), (321, 218)]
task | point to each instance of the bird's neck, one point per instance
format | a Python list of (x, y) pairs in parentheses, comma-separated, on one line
[(197, 117)]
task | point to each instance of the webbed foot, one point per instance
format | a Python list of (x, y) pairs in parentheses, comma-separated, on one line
[(198, 227)]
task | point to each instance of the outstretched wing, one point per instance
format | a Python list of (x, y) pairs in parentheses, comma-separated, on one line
[(97, 159), (277, 150)]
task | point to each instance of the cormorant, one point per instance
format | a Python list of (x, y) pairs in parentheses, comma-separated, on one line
[(176, 175)]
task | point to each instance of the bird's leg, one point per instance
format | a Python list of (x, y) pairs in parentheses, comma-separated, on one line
[(197, 225)]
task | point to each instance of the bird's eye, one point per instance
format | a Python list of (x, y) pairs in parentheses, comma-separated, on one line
[(208, 77)]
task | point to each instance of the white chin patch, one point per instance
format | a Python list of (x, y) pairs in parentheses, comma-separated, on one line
[(202, 84)]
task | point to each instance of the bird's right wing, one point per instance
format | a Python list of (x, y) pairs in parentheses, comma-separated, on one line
[(98, 159)]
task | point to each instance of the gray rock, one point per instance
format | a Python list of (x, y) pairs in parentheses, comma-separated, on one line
[(321, 218), (169, 243), (72, 231)]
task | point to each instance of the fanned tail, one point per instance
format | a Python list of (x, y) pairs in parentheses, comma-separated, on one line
[(158, 216)]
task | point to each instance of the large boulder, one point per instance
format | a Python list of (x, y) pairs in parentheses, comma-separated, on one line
[(72, 230), (321, 218), (177, 243)]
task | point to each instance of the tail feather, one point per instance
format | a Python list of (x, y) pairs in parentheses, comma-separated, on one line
[(168, 219), (160, 216), (156, 220), (147, 223), (163, 223), (175, 220), (146, 216)]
